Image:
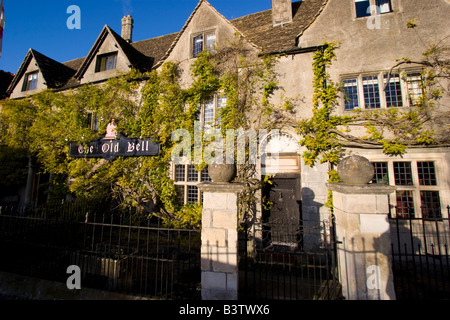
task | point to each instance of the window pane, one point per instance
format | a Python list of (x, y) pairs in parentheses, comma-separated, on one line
[(205, 175), (106, 62), (384, 6), (431, 204), (111, 62), (427, 173), (30, 82), (405, 204), (221, 103), (102, 64), (351, 94), (371, 92), (179, 173), (393, 91), (362, 8), (209, 112), (381, 173), (33, 81), (192, 173), (402, 173), (198, 45), (210, 41), (192, 194), (415, 88), (180, 194)]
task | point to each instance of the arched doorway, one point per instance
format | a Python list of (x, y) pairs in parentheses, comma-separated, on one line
[(281, 214)]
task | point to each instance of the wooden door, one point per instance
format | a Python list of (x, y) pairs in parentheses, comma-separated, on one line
[(281, 219)]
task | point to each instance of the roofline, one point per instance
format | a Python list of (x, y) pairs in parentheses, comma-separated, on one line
[(102, 36), (174, 43), (19, 72), (177, 38), (89, 56), (319, 12)]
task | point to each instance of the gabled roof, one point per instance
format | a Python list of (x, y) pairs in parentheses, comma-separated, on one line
[(144, 55), (179, 34), (55, 74), (135, 58), (258, 27)]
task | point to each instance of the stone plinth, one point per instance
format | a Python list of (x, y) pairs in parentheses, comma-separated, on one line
[(219, 252), (362, 227)]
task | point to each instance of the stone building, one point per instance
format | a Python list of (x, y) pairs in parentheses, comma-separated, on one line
[(372, 35)]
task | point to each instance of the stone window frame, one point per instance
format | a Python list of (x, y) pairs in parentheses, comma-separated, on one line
[(403, 85), (30, 84), (104, 57), (201, 176), (217, 105), (416, 191), (204, 35)]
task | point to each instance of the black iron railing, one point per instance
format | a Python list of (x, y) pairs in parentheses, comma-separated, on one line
[(288, 260), (421, 257), (116, 251)]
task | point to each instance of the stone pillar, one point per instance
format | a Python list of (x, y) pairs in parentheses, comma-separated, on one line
[(219, 252), (364, 254), (363, 231)]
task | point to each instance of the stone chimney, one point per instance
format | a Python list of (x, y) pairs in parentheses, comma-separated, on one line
[(281, 12), (127, 28)]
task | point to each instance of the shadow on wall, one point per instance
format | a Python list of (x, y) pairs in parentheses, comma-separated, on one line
[(366, 271), (311, 220)]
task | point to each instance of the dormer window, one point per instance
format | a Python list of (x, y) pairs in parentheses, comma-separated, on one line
[(202, 41), (31, 81), (106, 62)]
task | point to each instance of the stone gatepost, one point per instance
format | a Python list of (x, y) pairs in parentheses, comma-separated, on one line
[(219, 251), (363, 231)]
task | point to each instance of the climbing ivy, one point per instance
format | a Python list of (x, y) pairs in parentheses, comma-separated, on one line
[(42, 125), (319, 132), (327, 133), (156, 103)]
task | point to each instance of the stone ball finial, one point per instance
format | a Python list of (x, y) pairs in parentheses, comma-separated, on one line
[(355, 170)]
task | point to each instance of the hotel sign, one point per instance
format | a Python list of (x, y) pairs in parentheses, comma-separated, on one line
[(110, 149)]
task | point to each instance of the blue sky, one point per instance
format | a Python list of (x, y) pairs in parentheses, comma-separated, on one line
[(42, 24)]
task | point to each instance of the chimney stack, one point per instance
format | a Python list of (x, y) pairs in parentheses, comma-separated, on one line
[(281, 12), (127, 28)]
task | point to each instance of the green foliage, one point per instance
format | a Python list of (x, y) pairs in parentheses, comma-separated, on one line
[(42, 125), (45, 123), (411, 24), (13, 169), (319, 132)]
